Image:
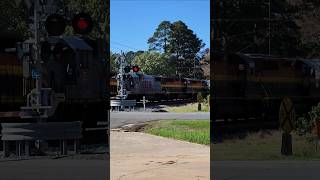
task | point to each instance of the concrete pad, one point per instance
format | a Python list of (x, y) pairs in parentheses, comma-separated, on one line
[(139, 156)]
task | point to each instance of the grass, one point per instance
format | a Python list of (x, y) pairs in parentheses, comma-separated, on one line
[(196, 131), (264, 145), (191, 107)]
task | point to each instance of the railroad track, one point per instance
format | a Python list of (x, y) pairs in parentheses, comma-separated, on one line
[(166, 102)]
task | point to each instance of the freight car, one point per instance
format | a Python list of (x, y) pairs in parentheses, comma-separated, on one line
[(152, 87), (264, 87)]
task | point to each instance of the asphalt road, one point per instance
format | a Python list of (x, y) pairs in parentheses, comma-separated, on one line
[(265, 170), (118, 119), (51, 169)]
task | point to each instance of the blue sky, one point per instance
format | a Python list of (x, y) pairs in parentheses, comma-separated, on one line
[(132, 22)]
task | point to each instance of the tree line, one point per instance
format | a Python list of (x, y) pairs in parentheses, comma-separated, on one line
[(288, 28), (174, 50)]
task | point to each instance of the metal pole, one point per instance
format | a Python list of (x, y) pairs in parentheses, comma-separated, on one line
[(269, 28), (144, 103), (121, 92)]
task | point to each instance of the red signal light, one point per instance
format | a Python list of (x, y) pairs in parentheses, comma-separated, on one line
[(135, 69), (82, 23)]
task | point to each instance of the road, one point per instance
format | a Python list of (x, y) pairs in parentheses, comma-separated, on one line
[(51, 169), (265, 170), (118, 119)]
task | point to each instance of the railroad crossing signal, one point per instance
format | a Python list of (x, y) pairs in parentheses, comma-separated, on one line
[(287, 115), (81, 23)]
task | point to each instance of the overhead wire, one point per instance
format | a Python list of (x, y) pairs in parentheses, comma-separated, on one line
[(124, 45)]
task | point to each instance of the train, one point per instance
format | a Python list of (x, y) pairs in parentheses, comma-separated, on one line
[(139, 85), (72, 69), (258, 86)]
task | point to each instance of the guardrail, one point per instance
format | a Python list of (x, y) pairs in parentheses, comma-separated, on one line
[(121, 104), (24, 133)]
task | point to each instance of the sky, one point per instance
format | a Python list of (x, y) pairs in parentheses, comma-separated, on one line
[(133, 22)]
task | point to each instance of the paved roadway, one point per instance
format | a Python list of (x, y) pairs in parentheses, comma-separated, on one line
[(265, 170), (51, 169), (118, 119)]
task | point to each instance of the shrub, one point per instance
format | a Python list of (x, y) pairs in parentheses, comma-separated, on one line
[(315, 113), (303, 126)]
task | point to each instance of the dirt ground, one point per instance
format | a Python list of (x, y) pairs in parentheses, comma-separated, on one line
[(139, 156)]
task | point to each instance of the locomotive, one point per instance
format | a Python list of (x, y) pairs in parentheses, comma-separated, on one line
[(71, 69), (270, 88), (10, 74), (153, 87)]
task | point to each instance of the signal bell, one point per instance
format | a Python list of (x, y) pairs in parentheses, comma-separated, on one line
[(82, 23)]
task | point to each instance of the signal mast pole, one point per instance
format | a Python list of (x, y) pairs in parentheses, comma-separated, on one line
[(36, 99), (122, 93), (36, 54)]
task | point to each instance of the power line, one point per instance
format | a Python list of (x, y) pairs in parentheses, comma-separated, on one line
[(121, 44), (251, 44), (241, 34)]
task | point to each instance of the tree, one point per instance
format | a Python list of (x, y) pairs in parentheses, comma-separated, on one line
[(97, 11), (184, 44), (244, 27), (13, 17), (205, 63), (160, 38), (308, 20), (155, 63), (113, 64), (129, 57), (180, 43)]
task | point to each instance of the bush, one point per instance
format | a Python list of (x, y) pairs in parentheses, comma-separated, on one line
[(315, 113), (303, 126)]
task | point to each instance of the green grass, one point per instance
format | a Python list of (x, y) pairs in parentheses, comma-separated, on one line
[(196, 131), (191, 107), (264, 146)]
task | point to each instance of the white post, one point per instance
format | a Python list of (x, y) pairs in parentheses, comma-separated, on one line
[(144, 103)]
